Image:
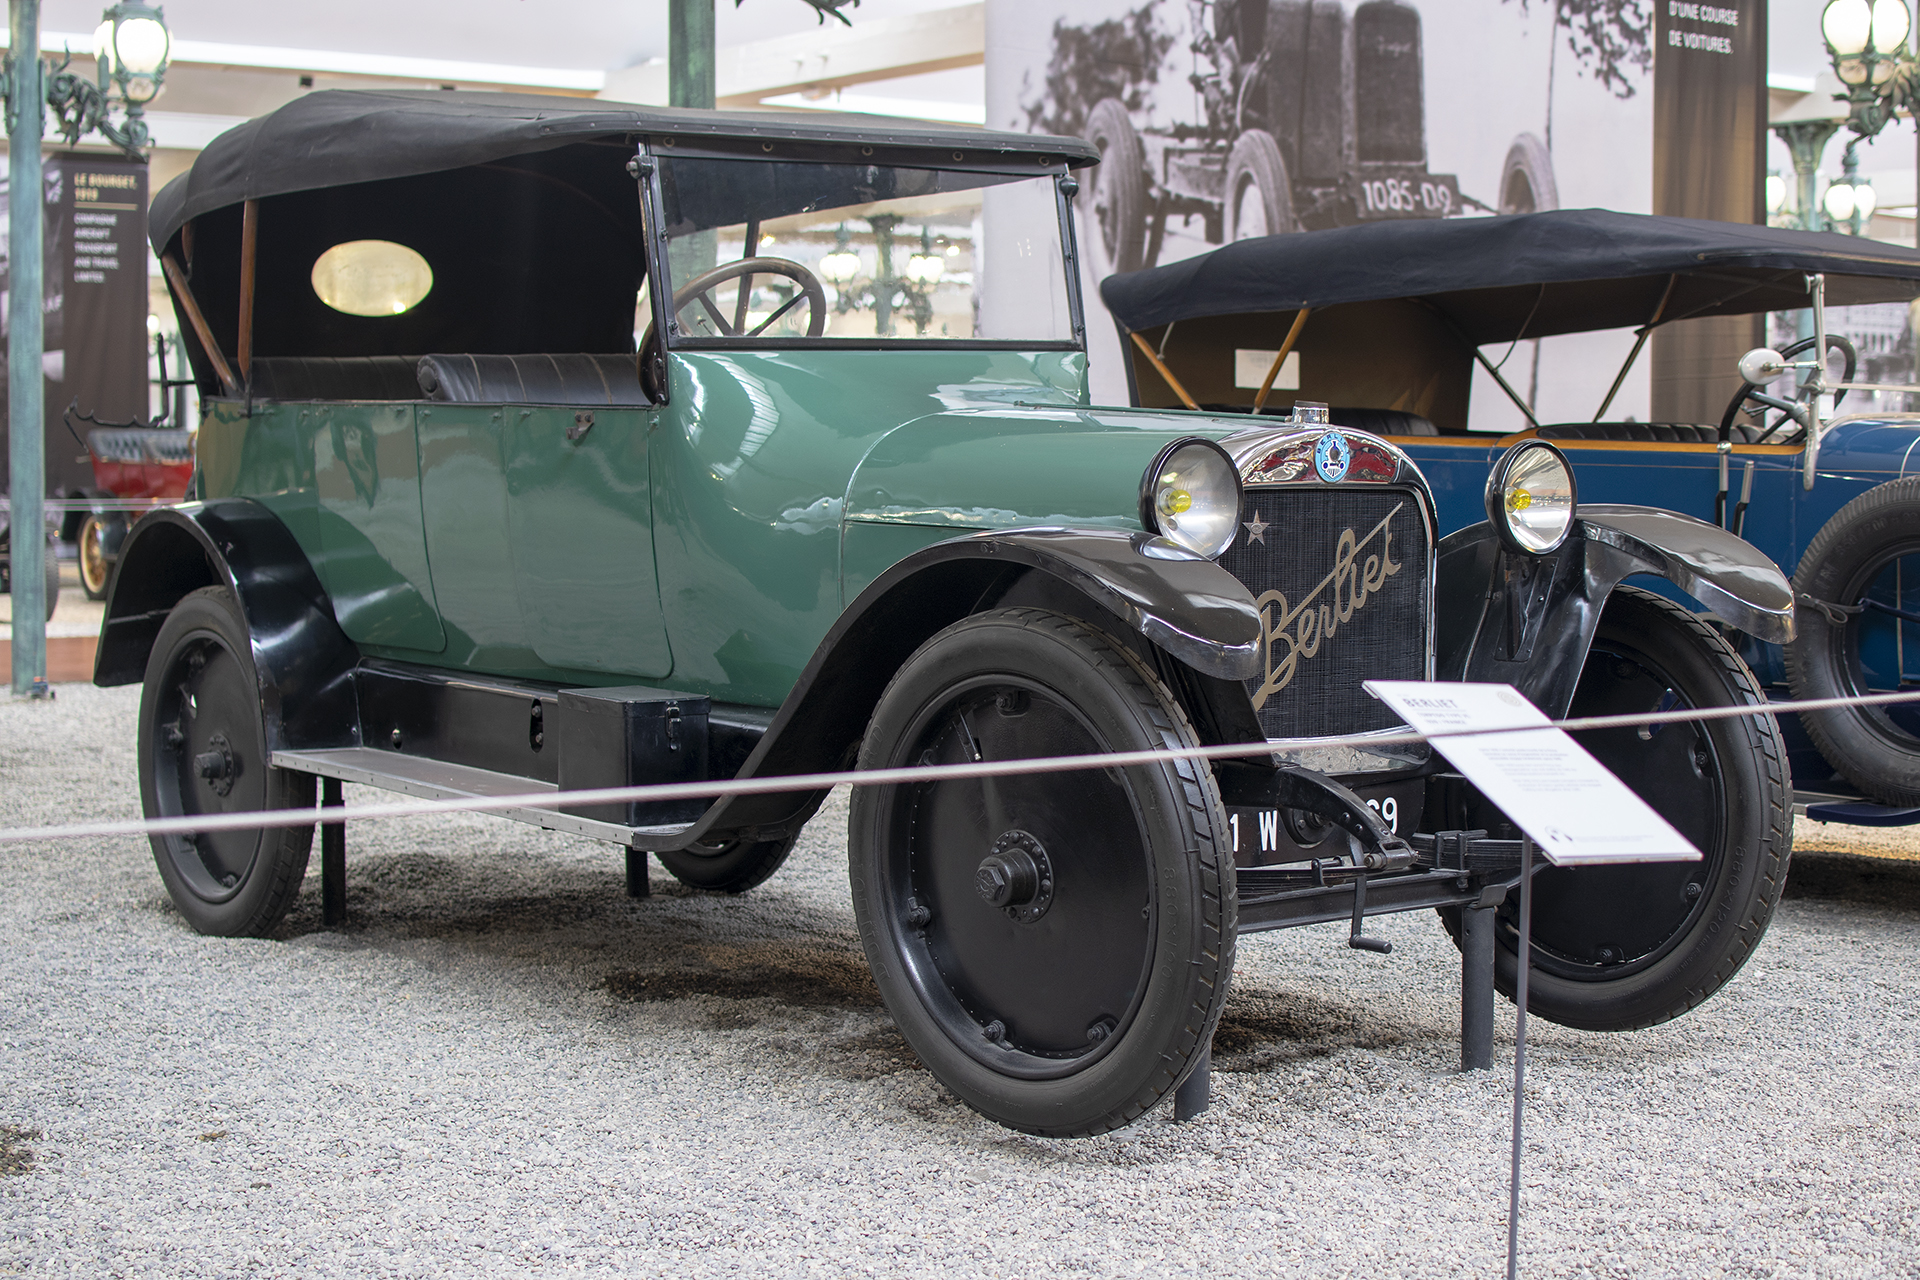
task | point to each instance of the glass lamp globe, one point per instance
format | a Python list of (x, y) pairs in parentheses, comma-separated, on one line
[(1864, 201), (1776, 193), (1891, 22), (1847, 24), (840, 266), (132, 45), (1839, 201)]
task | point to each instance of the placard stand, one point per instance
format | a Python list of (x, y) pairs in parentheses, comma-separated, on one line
[(1523, 964)]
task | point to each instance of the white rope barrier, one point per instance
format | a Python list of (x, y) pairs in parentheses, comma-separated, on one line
[(265, 818)]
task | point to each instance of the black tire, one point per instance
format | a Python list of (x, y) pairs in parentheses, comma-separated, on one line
[(1863, 553), (1119, 186), (1259, 194), (1526, 179), (1623, 947), (727, 866), (95, 569), (203, 751), (1071, 1011)]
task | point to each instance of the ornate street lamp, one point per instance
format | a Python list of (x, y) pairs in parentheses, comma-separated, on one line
[(132, 46), (1868, 45), (1850, 198)]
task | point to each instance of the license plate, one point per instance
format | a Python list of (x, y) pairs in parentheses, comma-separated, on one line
[(1411, 194), (1262, 836)]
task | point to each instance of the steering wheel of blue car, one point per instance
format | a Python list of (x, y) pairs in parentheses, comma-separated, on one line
[(1751, 391), (700, 289)]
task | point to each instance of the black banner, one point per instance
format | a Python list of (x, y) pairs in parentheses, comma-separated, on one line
[(1709, 161), (95, 306)]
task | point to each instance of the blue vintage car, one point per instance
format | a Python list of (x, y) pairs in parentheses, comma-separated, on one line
[(1388, 320)]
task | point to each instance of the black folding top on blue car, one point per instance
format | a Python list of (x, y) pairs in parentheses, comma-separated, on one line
[(1525, 275)]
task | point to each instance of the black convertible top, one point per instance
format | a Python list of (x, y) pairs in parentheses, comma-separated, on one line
[(337, 137), (1524, 275)]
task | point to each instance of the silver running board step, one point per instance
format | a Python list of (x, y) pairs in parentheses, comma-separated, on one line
[(438, 780)]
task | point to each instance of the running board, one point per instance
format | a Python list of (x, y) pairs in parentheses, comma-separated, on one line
[(437, 780)]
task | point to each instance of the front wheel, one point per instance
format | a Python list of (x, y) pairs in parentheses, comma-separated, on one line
[(202, 750), (1055, 947), (1622, 947)]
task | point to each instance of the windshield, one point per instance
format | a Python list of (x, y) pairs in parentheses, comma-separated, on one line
[(763, 251)]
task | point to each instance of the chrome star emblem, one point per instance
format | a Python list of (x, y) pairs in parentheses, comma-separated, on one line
[(1256, 529)]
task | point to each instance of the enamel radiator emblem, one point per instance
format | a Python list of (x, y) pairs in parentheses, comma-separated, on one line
[(1332, 456)]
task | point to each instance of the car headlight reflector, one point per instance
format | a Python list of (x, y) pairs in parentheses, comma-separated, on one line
[(1531, 497), (1190, 496)]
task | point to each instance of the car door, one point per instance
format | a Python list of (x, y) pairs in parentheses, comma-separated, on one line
[(579, 528)]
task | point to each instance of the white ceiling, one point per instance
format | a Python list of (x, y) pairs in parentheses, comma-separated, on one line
[(597, 35)]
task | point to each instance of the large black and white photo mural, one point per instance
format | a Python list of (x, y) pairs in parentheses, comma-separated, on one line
[(1222, 119)]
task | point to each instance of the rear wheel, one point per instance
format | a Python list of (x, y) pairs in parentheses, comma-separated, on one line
[(1621, 947), (1056, 947), (1862, 565), (1259, 195), (202, 750), (727, 865)]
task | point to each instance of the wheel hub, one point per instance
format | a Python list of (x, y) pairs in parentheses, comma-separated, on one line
[(217, 766), (1016, 877)]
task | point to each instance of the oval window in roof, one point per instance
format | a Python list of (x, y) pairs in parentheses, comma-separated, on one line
[(372, 278)]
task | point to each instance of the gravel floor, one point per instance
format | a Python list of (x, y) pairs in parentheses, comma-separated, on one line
[(504, 1066)]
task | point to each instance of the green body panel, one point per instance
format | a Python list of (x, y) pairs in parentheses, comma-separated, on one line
[(709, 543), (751, 461), (463, 484), (373, 559), (579, 522), (1018, 468)]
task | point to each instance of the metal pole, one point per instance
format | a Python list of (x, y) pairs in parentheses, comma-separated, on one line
[(690, 84), (690, 53), (1524, 963), (26, 417)]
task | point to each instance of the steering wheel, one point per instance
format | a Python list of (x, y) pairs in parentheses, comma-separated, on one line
[(701, 288), (1750, 391)]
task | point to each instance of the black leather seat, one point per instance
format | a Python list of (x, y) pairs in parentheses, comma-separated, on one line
[(335, 378), (531, 379), (1646, 432)]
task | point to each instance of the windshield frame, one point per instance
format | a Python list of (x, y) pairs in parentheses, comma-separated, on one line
[(646, 169)]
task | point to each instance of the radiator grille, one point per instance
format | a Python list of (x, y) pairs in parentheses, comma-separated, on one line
[(1341, 578)]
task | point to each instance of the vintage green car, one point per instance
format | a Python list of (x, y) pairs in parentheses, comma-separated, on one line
[(551, 445)]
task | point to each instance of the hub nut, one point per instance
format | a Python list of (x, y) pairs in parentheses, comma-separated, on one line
[(1016, 877)]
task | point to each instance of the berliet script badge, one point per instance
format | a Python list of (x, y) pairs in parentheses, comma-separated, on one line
[(1332, 456), (1292, 633)]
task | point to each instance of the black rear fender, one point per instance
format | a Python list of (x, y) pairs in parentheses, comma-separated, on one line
[(304, 660)]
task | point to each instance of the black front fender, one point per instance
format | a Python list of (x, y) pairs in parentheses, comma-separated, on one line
[(1528, 621), (303, 659)]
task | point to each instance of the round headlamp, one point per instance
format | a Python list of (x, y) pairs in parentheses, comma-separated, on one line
[(1530, 497), (1191, 496)]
